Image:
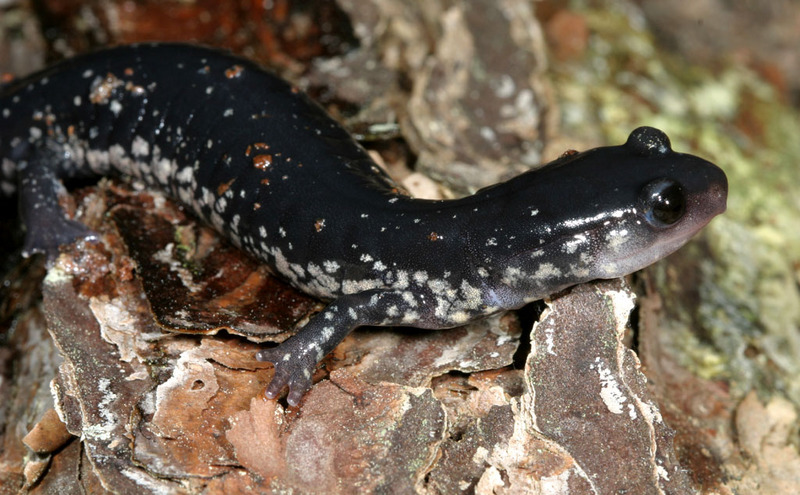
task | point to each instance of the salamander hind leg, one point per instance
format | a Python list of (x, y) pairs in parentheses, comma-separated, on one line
[(296, 359), (45, 221)]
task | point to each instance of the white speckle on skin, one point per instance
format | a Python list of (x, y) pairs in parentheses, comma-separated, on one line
[(512, 275), (410, 317), (140, 147), (354, 286), (409, 299), (616, 238), (459, 317), (217, 222), (471, 295), (185, 175), (206, 197), (163, 170), (546, 271), (295, 271), (402, 280), (571, 245), (320, 282), (536, 253), (220, 205)]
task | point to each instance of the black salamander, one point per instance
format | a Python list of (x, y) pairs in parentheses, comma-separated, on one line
[(269, 169)]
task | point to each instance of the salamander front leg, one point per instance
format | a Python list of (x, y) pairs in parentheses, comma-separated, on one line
[(46, 222), (296, 359)]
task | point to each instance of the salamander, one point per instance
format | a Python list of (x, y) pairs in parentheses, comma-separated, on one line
[(269, 169)]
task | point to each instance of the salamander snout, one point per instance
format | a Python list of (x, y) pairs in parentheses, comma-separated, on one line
[(673, 196), (707, 194), (718, 192)]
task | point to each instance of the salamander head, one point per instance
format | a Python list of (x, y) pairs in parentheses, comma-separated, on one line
[(671, 196), (604, 213)]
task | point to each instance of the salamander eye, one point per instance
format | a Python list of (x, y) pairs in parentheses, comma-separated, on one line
[(663, 202)]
